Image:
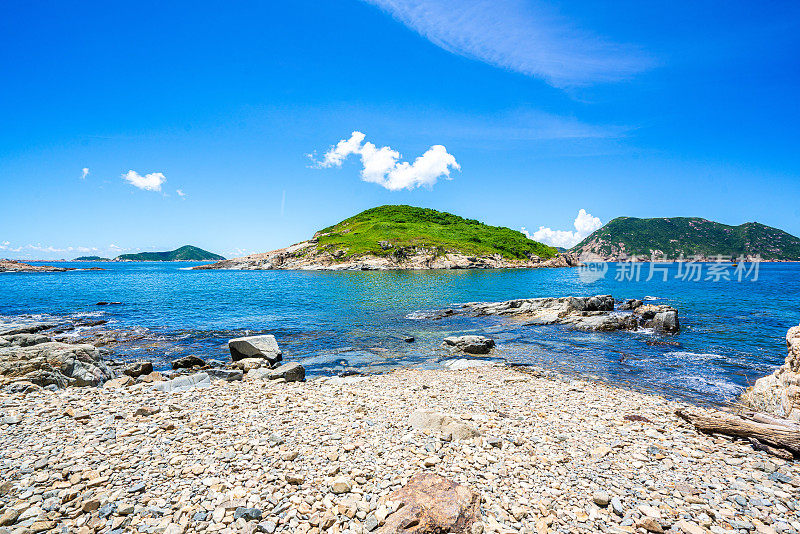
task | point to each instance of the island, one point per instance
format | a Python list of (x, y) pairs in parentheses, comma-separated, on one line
[(184, 253), (394, 237), (689, 237)]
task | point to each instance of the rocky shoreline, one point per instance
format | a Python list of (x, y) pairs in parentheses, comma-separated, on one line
[(542, 453), (306, 256)]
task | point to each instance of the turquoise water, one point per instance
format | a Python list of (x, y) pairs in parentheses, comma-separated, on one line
[(733, 332)]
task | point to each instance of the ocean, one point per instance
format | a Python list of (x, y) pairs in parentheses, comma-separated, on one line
[(340, 322)]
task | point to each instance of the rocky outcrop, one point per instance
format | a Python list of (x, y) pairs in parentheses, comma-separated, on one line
[(597, 313), (306, 256), (471, 344), (53, 363), (263, 346), (434, 504), (291, 372), (779, 393), (19, 267)]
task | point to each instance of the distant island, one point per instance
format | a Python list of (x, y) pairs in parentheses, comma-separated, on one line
[(184, 253), (689, 237), (91, 258), (405, 237)]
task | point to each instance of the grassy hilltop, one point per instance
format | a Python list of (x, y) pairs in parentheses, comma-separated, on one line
[(374, 230), (689, 236)]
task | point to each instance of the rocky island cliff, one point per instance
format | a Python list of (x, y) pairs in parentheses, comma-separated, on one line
[(406, 237)]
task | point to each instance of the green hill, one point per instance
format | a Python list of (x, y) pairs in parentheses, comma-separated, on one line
[(688, 236), (185, 253), (91, 258), (386, 230)]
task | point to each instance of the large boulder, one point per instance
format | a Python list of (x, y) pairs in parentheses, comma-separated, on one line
[(666, 322), (187, 362), (434, 504), (255, 347), (779, 393), (54, 363), (448, 426), (471, 344), (137, 369)]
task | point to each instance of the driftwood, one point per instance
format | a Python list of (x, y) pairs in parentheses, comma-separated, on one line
[(772, 434)]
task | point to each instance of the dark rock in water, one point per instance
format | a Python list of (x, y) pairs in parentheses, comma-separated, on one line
[(248, 514), (92, 322), (349, 372), (434, 504), (629, 304), (661, 342), (104, 303), (187, 362), (229, 375), (291, 372), (599, 303), (409, 339), (137, 369), (255, 347), (471, 344)]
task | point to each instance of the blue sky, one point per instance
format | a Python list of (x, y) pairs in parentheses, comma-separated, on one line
[(540, 109)]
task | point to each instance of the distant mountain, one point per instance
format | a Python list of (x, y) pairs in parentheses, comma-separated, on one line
[(185, 253), (689, 237), (405, 237), (91, 258)]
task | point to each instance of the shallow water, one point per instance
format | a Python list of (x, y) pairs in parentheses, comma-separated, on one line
[(732, 332)]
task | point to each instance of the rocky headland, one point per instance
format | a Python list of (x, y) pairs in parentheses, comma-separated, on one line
[(779, 393), (308, 256)]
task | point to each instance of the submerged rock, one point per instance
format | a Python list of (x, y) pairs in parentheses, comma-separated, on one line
[(263, 346), (432, 503), (471, 344)]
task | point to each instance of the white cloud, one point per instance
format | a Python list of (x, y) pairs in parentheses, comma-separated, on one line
[(382, 166), (84, 173), (525, 36), (148, 182), (584, 224), (180, 192)]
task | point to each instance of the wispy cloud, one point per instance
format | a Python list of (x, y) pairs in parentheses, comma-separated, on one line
[(585, 223), (148, 182), (180, 193), (522, 36), (382, 166), (84, 173)]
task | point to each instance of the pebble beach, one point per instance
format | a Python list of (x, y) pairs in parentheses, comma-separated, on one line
[(545, 453)]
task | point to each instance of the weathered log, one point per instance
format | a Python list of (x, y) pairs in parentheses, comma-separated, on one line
[(733, 425)]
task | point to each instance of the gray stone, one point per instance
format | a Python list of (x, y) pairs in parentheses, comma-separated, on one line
[(471, 344), (137, 369), (62, 364), (183, 383), (291, 372), (229, 375), (248, 514), (666, 322), (616, 505), (601, 498), (370, 523), (255, 347), (267, 526), (260, 373)]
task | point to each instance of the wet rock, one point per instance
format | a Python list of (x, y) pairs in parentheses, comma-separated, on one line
[(431, 504), (263, 346), (666, 322), (187, 362), (471, 344), (291, 372), (629, 304)]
